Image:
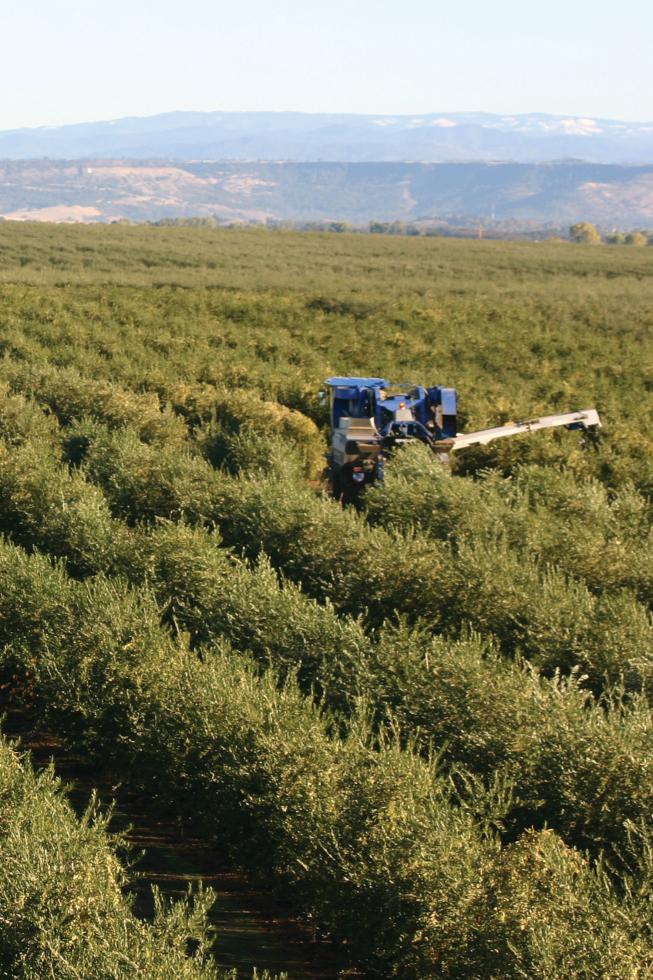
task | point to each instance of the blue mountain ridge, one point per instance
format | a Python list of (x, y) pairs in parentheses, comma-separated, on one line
[(318, 137)]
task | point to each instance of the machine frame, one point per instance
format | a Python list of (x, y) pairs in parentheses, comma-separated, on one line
[(370, 416)]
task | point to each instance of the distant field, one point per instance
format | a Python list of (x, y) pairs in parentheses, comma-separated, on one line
[(388, 268), (427, 723)]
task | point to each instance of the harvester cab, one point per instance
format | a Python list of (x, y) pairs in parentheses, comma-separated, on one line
[(370, 416)]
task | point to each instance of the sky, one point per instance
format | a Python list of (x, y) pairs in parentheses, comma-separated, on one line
[(69, 61)]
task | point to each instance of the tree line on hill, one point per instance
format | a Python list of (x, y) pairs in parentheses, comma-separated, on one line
[(585, 233)]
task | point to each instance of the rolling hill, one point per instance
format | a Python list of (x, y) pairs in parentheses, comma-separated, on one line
[(104, 190)]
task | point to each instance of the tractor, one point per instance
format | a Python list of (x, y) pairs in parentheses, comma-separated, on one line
[(371, 416)]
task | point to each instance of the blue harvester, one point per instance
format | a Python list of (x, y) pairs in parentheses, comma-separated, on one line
[(370, 416)]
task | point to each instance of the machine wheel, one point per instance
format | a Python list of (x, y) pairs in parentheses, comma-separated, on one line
[(344, 488), (335, 485)]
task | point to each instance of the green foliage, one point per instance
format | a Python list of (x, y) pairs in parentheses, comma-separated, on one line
[(422, 684), (281, 673), (237, 424), (374, 844), (62, 911), (636, 238), (600, 537), (584, 233), (44, 505), (575, 764), (70, 396)]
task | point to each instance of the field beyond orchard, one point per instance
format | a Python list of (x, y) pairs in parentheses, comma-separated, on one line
[(424, 724)]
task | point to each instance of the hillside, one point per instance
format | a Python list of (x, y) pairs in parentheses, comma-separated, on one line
[(105, 190), (303, 137)]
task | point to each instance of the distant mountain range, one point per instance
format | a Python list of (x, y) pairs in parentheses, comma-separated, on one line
[(426, 193), (444, 137)]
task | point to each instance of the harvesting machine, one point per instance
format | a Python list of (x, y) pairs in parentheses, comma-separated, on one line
[(370, 416)]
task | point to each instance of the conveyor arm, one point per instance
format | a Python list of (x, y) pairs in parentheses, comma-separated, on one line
[(574, 420)]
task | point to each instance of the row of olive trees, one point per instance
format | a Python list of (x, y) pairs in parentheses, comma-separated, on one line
[(62, 909), (375, 844), (213, 732), (585, 233), (478, 710)]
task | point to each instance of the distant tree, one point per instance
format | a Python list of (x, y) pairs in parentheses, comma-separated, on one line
[(636, 238), (616, 238), (584, 233), (276, 224), (197, 221), (339, 226), (378, 227)]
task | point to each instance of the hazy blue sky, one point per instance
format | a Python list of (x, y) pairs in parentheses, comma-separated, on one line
[(68, 60)]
